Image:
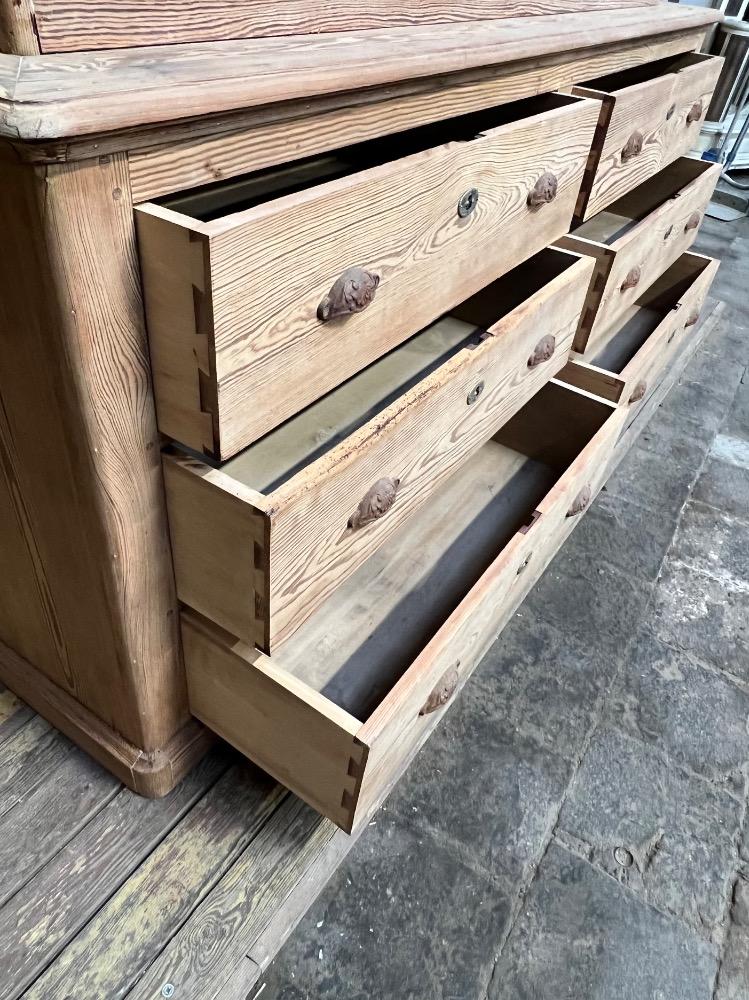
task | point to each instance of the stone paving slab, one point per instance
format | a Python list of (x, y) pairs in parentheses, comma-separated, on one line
[(724, 482), (582, 936), (404, 918), (667, 835), (492, 790), (696, 716), (704, 613), (733, 978)]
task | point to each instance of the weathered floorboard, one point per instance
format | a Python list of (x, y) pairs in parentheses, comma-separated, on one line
[(139, 920), (42, 821), (13, 714), (66, 893)]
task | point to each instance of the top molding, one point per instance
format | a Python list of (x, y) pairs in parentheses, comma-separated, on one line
[(55, 97)]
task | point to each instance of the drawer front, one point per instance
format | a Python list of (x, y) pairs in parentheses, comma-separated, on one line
[(642, 256), (271, 290), (645, 371), (643, 128), (299, 737), (437, 429), (343, 767), (326, 521), (459, 646)]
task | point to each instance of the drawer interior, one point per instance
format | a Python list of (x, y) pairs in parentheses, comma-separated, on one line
[(213, 201), (619, 346), (632, 208), (648, 71), (275, 459), (368, 633)]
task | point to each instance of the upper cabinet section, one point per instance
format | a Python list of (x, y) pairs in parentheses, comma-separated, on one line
[(28, 27)]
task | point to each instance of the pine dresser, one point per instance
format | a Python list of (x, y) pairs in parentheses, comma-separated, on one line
[(322, 325)]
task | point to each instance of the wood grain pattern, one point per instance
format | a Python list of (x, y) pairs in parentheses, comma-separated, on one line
[(204, 960), (262, 327), (210, 151), (643, 233), (50, 909), (18, 29), (665, 313), (54, 98), (421, 438), (137, 921), (73, 791), (293, 732), (152, 774), (345, 657), (83, 465), (657, 108), (70, 25)]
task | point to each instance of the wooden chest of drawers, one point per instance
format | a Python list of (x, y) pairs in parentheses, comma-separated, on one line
[(319, 341)]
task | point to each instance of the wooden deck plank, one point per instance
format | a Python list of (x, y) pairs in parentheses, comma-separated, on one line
[(43, 820), (14, 714), (28, 758), (203, 956), (64, 895), (139, 920)]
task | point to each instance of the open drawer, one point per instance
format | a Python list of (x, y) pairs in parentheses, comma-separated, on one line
[(650, 115), (261, 541), (264, 293), (638, 237), (627, 363), (329, 715)]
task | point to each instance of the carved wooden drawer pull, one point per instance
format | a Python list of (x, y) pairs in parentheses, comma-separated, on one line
[(695, 113), (351, 293), (632, 147), (376, 502), (693, 317), (544, 191), (580, 502), (693, 222), (543, 350), (442, 693), (632, 280), (639, 391)]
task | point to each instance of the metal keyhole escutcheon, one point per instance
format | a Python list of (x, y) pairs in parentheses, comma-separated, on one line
[(468, 203), (474, 394)]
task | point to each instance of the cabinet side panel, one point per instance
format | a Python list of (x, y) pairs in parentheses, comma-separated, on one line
[(18, 35), (78, 421)]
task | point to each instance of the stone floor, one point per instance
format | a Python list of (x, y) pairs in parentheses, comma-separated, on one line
[(576, 828)]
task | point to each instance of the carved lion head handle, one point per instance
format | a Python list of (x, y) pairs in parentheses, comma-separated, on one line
[(351, 293), (375, 503)]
